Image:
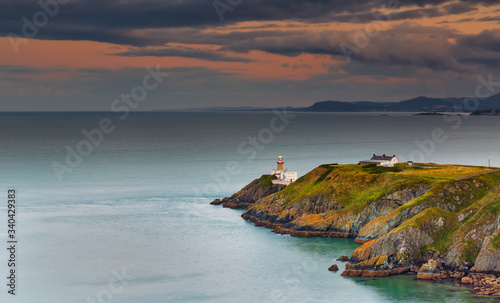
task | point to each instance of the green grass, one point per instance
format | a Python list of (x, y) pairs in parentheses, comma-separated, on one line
[(496, 241), (374, 169), (328, 165), (267, 180), (324, 175), (470, 250)]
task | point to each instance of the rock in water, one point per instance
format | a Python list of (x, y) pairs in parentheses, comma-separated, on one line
[(343, 259), (334, 267), (216, 202), (431, 271)]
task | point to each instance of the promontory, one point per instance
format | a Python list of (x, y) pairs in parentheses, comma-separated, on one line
[(436, 221)]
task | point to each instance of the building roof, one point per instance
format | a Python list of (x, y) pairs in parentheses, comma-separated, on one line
[(382, 158)]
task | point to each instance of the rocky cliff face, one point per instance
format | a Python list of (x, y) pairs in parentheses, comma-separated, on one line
[(383, 224), (488, 259), (394, 254), (321, 215), (252, 192), (459, 241), (404, 217), (402, 246), (447, 196)]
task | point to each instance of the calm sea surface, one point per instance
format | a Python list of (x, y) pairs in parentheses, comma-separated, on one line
[(130, 220)]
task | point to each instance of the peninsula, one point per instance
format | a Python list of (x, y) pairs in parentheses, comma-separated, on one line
[(436, 221)]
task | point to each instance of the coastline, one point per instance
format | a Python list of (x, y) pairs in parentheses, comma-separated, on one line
[(410, 221)]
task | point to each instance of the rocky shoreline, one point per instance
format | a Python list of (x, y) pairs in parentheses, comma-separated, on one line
[(479, 283), (483, 284), (280, 229)]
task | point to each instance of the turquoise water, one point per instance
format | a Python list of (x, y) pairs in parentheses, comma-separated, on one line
[(137, 208)]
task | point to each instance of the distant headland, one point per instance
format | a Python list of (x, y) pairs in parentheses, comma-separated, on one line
[(434, 221)]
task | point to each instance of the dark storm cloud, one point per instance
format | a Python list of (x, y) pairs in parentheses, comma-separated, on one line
[(459, 8), (207, 55), (406, 44), (404, 15), (118, 21), (459, 21), (483, 2), (55, 31), (488, 40)]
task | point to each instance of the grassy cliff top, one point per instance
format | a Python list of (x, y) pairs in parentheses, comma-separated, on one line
[(430, 170), (357, 184)]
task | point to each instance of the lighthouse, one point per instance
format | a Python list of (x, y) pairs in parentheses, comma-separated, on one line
[(280, 163), (283, 176)]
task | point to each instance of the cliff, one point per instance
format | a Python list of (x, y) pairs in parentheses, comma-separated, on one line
[(438, 220), (252, 192)]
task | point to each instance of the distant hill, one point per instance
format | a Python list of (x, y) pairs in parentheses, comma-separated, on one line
[(492, 102), (418, 104), (425, 104)]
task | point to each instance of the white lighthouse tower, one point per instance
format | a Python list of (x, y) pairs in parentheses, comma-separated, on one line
[(283, 176)]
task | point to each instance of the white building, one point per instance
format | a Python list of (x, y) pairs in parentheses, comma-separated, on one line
[(386, 161), (283, 176)]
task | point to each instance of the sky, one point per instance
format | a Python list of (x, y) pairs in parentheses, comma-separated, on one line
[(78, 55)]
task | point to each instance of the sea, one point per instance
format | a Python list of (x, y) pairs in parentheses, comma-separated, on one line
[(114, 208)]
